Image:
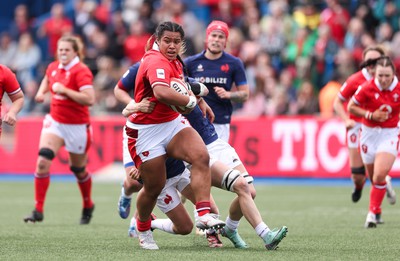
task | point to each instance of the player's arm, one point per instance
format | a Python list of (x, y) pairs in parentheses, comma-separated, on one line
[(85, 96), (171, 97), (241, 95), (122, 95), (206, 110), (43, 89), (17, 103), (338, 106), (377, 115)]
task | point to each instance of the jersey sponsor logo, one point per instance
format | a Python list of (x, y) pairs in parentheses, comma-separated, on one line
[(200, 68), (167, 199), (160, 73), (145, 153), (216, 80), (225, 68), (386, 107)]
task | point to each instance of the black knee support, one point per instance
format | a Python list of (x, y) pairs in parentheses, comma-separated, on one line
[(47, 153), (77, 170), (358, 171)]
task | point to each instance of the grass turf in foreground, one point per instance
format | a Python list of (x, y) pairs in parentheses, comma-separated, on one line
[(323, 225)]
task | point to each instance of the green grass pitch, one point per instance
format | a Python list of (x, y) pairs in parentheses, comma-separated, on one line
[(323, 225)]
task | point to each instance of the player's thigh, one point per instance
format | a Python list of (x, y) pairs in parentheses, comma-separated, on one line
[(355, 159), (51, 141), (153, 174), (78, 160), (187, 145)]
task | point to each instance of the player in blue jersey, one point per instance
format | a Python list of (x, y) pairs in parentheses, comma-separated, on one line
[(219, 71), (227, 172)]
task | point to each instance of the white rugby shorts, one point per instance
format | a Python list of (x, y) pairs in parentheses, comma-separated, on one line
[(222, 131), (220, 150), (353, 136), (169, 197), (151, 140), (376, 140), (77, 137)]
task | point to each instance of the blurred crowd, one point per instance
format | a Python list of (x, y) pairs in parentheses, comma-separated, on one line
[(297, 53)]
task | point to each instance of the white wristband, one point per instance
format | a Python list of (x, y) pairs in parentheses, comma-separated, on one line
[(192, 102)]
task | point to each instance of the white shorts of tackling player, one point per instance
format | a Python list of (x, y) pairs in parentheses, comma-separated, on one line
[(222, 131), (169, 197)]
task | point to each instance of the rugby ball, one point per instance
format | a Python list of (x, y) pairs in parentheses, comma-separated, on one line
[(180, 86)]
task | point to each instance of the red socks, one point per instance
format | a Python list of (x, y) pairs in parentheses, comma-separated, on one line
[(143, 226), (203, 207), (85, 186), (376, 196), (41, 186)]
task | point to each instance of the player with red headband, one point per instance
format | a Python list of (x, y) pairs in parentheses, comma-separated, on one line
[(10, 85), (219, 71)]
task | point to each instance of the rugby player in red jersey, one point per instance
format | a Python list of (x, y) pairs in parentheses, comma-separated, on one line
[(70, 83)]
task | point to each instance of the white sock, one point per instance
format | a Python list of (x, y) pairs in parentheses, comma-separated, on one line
[(123, 193), (231, 224), (163, 224), (133, 222), (262, 229)]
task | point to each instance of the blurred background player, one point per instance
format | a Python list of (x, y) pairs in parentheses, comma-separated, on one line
[(219, 71), (151, 135), (10, 85), (377, 101), (68, 124), (353, 122)]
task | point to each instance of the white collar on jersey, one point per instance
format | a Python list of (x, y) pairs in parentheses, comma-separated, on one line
[(155, 47), (69, 66), (391, 87), (366, 74)]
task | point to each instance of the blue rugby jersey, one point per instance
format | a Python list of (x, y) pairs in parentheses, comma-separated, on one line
[(202, 125), (222, 72)]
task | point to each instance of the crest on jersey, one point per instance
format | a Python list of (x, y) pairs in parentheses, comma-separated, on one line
[(225, 68), (376, 96), (53, 73), (200, 68), (395, 97)]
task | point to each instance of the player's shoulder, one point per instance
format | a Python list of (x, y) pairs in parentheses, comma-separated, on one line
[(81, 68), (357, 77), (4, 70), (194, 57)]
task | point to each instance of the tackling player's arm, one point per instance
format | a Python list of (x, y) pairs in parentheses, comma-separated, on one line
[(241, 95)]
